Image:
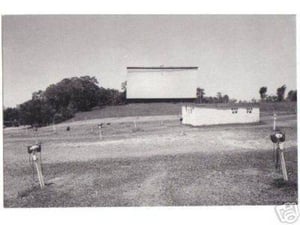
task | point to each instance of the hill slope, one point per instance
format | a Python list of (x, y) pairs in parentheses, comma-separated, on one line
[(139, 109), (154, 109)]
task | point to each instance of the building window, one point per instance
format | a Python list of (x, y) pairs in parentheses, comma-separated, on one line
[(234, 110)]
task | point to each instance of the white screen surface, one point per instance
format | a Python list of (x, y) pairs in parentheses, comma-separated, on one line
[(161, 83)]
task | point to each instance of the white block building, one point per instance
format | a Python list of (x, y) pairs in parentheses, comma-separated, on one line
[(210, 115), (161, 83)]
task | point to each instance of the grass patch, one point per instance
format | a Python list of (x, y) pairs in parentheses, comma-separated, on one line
[(137, 109), (163, 165), (188, 179), (155, 109)]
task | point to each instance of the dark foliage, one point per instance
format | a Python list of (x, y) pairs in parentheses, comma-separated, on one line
[(263, 92), (200, 98), (280, 93), (11, 117), (292, 96), (61, 101), (279, 97)]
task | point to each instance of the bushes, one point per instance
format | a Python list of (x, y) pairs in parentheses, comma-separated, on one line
[(11, 117), (61, 101)]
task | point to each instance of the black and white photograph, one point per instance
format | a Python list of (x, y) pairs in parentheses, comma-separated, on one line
[(130, 110)]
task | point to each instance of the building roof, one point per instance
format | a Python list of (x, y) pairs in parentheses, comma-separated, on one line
[(162, 67), (225, 105)]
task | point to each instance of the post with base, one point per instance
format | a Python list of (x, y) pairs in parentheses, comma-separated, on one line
[(33, 150), (100, 126), (278, 139), (282, 163)]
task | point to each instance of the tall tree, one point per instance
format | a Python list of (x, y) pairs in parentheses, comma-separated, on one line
[(292, 96), (263, 92), (280, 93), (124, 86), (124, 93), (225, 99), (219, 97), (200, 95), (78, 93)]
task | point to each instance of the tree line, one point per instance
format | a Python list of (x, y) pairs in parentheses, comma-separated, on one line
[(60, 101), (219, 98), (280, 95)]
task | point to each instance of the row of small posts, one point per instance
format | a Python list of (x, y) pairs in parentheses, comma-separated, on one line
[(277, 137), (35, 151)]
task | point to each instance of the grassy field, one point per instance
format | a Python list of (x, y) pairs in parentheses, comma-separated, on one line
[(140, 109), (158, 162), (153, 109)]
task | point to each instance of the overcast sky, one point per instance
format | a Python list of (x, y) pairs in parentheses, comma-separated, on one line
[(236, 55)]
